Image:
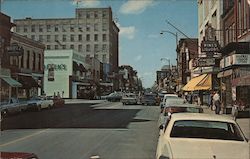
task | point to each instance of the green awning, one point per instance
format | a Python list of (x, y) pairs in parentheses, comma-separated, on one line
[(11, 82)]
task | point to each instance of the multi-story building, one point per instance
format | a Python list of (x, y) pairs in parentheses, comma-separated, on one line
[(27, 66), (92, 32), (235, 70), (186, 51)]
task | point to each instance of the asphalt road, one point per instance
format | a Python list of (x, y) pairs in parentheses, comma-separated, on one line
[(79, 131)]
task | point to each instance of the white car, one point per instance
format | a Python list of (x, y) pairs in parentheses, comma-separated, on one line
[(166, 97), (39, 103), (197, 136), (129, 98)]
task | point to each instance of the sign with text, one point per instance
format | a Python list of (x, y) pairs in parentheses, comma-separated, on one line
[(15, 50), (203, 62), (236, 59)]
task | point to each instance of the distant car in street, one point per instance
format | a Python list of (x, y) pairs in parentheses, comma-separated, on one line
[(17, 155), (57, 101), (12, 106), (129, 98), (168, 96), (148, 99), (198, 136), (172, 101), (114, 97), (39, 103)]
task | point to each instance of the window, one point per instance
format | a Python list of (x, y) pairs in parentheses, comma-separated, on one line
[(79, 37), (104, 37), (88, 27), (80, 29), (56, 47), (64, 46), (28, 59), (87, 15), (33, 29), (56, 38), (95, 27), (96, 14), (48, 28), (63, 29), (206, 130), (33, 37), (64, 38), (88, 37), (104, 14), (56, 28), (72, 47), (40, 28), (72, 28), (48, 47), (104, 58), (25, 28), (96, 47), (48, 38), (22, 61), (96, 37), (104, 47), (240, 18), (39, 62), (79, 47), (41, 38), (17, 29), (34, 61), (88, 48), (104, 27), (72, 38)]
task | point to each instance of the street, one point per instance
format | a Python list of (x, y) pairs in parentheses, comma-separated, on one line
[(79, 131)]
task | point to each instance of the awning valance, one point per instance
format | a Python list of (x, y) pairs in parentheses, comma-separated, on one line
[(203, 82), (27, 81), (11, 82)]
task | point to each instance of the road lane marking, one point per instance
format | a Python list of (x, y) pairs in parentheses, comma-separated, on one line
[(23, 138)]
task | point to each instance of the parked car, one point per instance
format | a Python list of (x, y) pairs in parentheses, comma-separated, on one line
[(129, 98), (148, 99), (39, 103), (12, 106), (17, 155), (114, 97), (57, 101), (202, 136), (172, 102), (177, 106)]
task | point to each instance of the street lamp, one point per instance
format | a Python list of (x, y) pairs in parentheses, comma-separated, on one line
[(172, 33)]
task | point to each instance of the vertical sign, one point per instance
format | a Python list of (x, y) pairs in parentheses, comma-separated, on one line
[(51, 74)]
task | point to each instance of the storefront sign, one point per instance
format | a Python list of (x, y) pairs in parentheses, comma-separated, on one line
[(203, 62), (15, 50), (57, 67), (236, 59), (51, 74)]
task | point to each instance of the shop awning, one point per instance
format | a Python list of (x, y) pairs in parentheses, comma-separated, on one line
[(11, 82), (203, 82), (27, 81)]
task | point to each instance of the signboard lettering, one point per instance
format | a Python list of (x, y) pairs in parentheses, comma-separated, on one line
[(15, 50), (56, 67)]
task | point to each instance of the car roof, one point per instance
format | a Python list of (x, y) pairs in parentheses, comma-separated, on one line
[(202, 116), (170, 95)]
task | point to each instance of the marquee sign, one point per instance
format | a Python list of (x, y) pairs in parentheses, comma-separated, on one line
[(209, 44), (203, 62)]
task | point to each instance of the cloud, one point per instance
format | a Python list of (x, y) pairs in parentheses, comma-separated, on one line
[(138, 58), (135, 7), (87, 3), (128, 32), (153, 36)]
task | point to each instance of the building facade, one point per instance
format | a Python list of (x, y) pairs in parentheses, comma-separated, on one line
[(92, 32), (27, 67)]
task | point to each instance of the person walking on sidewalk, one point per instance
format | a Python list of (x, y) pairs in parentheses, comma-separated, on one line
[(217, 103)]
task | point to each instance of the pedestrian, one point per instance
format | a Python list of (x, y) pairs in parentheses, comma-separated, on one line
[(217, 102)]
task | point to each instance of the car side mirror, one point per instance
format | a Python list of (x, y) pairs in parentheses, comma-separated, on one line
[(161, 127)]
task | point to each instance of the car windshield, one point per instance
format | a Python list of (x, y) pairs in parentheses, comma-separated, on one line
[(206, 130), (174, 101)]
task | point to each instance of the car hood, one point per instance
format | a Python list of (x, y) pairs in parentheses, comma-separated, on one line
[(209, 149)]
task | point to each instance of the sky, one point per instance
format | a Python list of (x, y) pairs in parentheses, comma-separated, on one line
[(140, 21)]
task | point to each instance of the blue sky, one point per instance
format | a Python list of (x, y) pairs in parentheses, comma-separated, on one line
[(140, 23)]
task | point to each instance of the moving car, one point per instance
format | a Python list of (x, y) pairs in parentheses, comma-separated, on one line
[(129, 98), (39, 103), (172, 102), (193, 135), (12, 106), (148, 99), (166, 97), (17, 155), (114, 97)]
